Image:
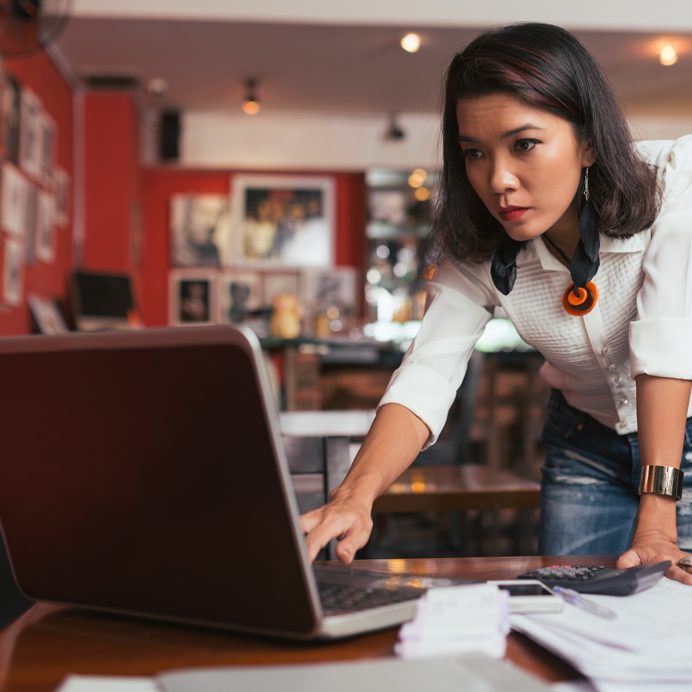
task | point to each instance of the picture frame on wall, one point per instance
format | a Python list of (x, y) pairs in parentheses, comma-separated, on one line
[(13, 273), (283, 220), (30, 133), (47, 147), (192, 297), (199, 230), (11, 117), (15, 188), (45, 227), (31, 221), (61, 180), (46, 315), (338, 287), (276, 283), (239, 293)]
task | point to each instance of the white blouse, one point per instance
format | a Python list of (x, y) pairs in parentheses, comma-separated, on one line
[(642, 322)]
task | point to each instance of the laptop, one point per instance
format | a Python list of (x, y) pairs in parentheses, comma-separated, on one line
[(144, 473)]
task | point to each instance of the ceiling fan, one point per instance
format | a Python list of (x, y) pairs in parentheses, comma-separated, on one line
[(27, 26)]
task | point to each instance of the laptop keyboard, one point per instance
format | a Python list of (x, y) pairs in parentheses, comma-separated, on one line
[(344, 598)]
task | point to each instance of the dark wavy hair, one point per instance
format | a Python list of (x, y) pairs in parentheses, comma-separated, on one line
[(545, 67)]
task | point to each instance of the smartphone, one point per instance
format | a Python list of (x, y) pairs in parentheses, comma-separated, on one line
[(530, 596)]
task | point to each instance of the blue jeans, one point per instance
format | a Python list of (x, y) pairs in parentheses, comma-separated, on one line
[(589, 485)]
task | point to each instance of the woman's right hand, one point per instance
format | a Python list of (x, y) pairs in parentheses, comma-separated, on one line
[(393, 442), (345, 517)]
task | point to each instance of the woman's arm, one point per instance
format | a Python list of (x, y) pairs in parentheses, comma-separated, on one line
[(661, 414), (393, 442)]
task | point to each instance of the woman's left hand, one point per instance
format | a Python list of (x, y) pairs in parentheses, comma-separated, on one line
[(650, 547)]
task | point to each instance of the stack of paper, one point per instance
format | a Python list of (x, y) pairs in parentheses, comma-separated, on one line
[(645, 648), (457, 620)]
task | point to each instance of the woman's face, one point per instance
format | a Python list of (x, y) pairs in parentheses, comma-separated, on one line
[(524, 163)]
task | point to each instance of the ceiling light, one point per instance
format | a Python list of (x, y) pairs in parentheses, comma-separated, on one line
[(250, 104), (410, 43), (668, 55)]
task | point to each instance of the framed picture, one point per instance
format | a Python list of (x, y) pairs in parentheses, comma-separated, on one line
[(45, 228), (47, 148), (276, 283), (31, 221), (337, 287), (192, 297), (239, 292), (47, 315), (62, 196), (30, 133), (283, 220), (11, 118), (14, 200), (200, 230), (13, 279)]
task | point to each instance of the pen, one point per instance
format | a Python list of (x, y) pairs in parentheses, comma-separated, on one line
[(576, 599)]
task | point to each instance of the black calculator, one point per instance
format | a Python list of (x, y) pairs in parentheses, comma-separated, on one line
[(599, 579)]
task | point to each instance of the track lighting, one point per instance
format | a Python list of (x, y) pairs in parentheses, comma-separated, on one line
[(394, 132)]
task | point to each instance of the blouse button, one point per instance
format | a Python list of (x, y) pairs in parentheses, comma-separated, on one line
[(604, 350), (611, 366), (624, 402)]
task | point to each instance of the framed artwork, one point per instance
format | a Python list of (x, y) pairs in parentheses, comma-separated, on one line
[(192, 297), (336, 287), (11, 117), (62, 196), (47, 148), (31, 221), (45, 228), (283, 220), (14, 200), (13, 279), (200, 230), (239, 293), (46, 315), (30, 133), (275, 283)]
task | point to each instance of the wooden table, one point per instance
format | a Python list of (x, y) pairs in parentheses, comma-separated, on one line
[(458, 487), (50, 642)]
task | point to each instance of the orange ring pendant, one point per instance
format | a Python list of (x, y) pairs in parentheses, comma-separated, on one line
[(580, 301)]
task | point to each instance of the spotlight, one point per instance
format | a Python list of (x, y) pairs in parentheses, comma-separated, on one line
[(668, 55), (250, 104), (394, 133), (410, 43)]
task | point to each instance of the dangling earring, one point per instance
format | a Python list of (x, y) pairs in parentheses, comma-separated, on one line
[(581, 295)]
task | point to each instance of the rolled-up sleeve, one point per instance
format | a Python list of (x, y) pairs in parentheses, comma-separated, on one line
[(434, 366), (661, 337)]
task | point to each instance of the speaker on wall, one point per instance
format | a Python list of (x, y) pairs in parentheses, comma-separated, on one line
[(169, 135)]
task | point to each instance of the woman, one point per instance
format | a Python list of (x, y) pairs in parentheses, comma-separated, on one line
[(549, 211)]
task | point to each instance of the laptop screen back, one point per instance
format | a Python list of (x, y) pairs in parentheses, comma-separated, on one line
[(140, 475)]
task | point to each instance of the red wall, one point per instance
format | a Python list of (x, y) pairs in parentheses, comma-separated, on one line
[(38, 73), (159, 184), (111, 182)]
